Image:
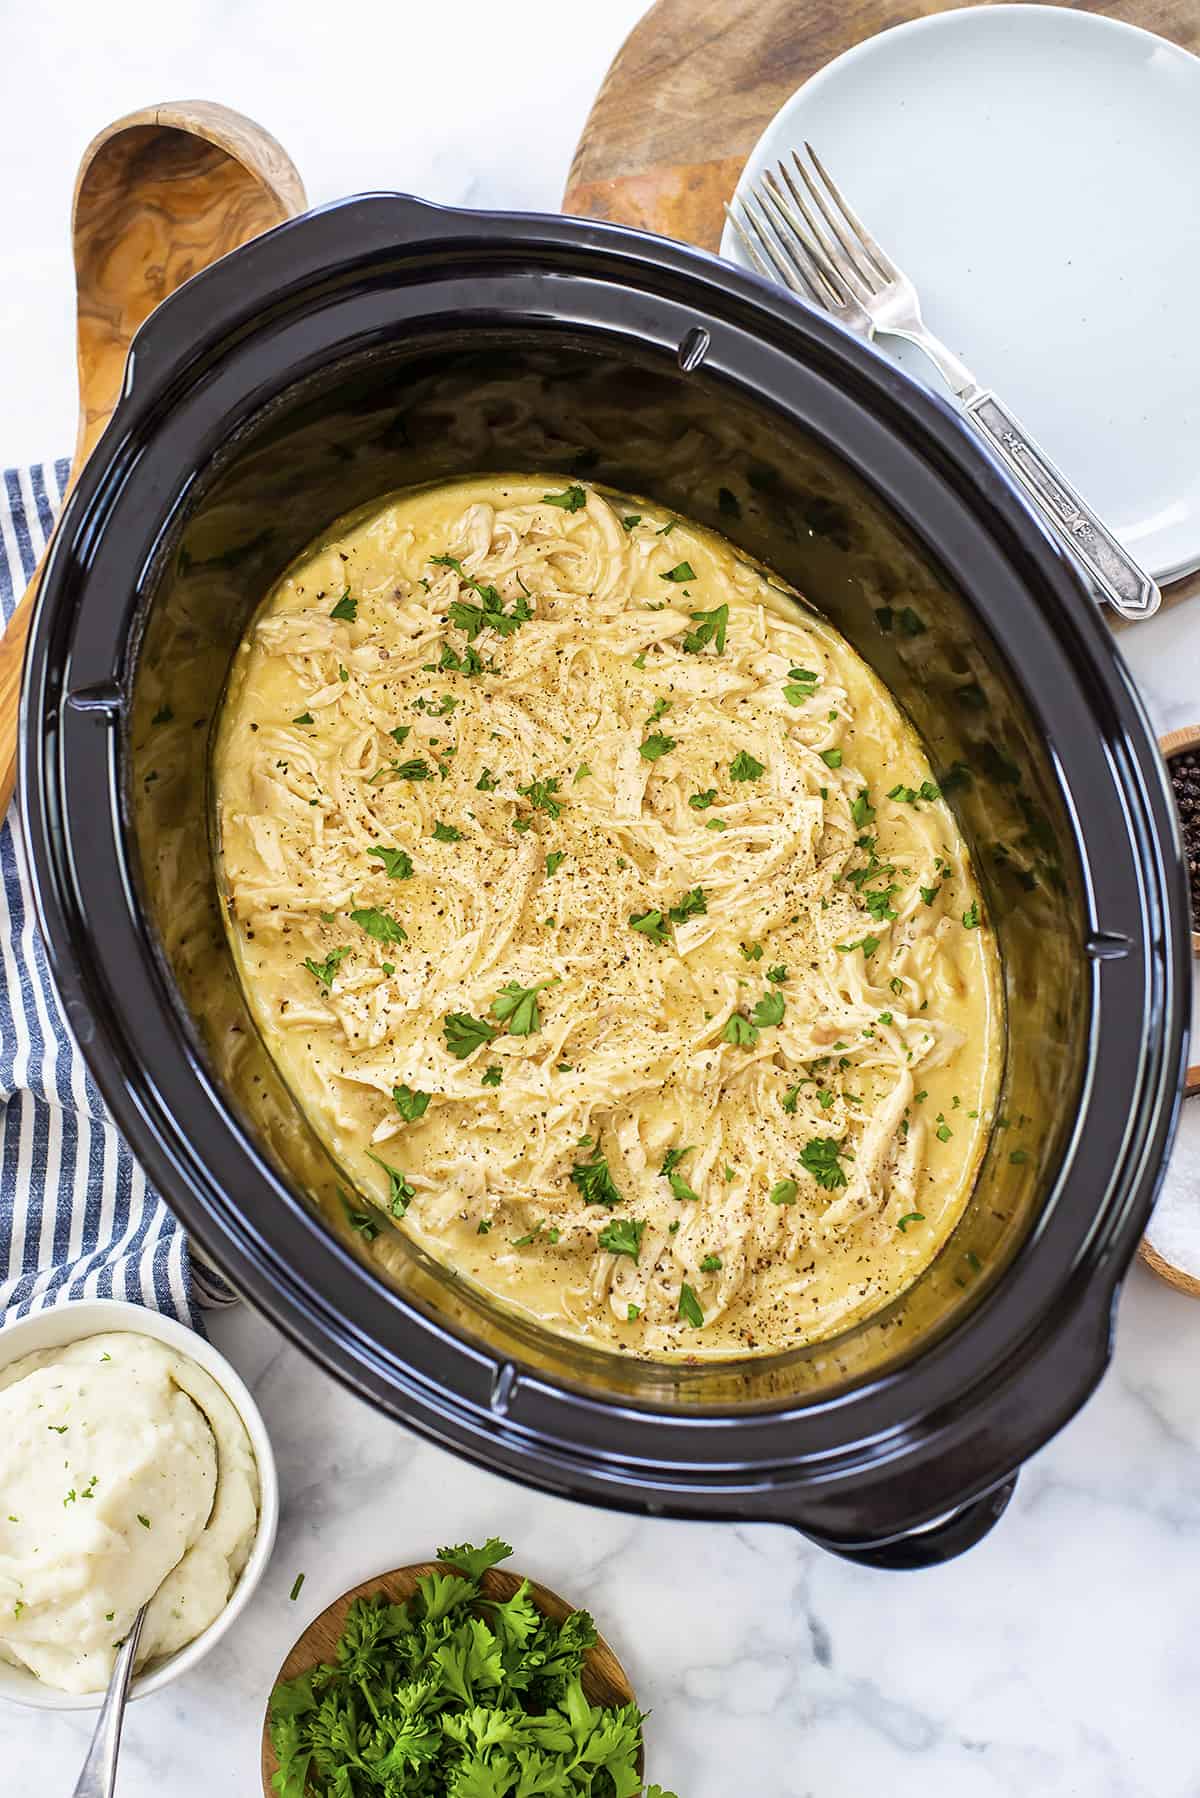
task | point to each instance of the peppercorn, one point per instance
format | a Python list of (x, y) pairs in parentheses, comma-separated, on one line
[(1185, 779)]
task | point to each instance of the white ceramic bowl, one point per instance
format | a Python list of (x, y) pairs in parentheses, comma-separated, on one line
[(92, 1317)]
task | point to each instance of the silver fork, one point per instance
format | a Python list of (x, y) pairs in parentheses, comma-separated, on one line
[(809, 238)]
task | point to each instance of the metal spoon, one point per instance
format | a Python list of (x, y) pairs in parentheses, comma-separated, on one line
[(159, 195), (99, 1776)]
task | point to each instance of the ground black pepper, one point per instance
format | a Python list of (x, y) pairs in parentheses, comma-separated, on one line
[(1185, 778)]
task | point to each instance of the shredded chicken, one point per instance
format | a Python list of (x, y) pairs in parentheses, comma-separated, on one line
[(585, 753)]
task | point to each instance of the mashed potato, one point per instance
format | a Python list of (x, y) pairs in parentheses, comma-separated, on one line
[(125, 1475)]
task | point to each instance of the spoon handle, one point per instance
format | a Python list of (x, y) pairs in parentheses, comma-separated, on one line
[(99, 1776)]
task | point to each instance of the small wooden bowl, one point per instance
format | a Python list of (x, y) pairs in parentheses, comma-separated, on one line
[(1166, 1270), (1177, 742), (605, 1681)]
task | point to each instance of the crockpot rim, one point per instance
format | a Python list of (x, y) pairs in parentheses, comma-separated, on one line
[(158, 360)]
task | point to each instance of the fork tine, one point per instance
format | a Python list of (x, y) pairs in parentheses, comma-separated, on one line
[(747, 242), (883, 262), (788, 268), (841, 253), (826, 270)]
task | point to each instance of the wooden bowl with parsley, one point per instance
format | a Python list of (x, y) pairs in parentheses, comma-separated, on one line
[(453, 1678)]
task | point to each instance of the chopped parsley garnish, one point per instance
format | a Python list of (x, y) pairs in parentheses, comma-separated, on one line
[(399, 1190), (689, 1307), (943, 1132), (801, 685), (664, 530), (750, 951), (868, 945), (492, 1075), (622, 1236), (832, 758), (655, 746), (490, 612), (819, 1157), (379, 924), (789, 1098), (581, 773), (554, 860), (446, 833), (913, 795), (572, 499), (300, 718), (700, 802), (768, 1011), (783, 1192), (693, 904), (415, 769), (682, 571), (710, 626), (324, 971), (711, 1264), (777, 974), (540, 794), (469, 662), (594, 1183), (464, 1034), (487, 782), (658, 709), (400, 732), (910, 1217), (744, 767), (411, 1105), (632, 1313), (673, 1157), (862, 811), (363, 1223), (516, 1005), (630, 519), (681, 1189), (739, 1031), (928, 894), (650, 924), (144, 1521), (397, 863), (346, 608), (879, 903), (971, 916)]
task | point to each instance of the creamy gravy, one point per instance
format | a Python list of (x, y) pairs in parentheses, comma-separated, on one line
[(598, 905)]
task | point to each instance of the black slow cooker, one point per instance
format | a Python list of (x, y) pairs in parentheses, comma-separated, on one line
[(382, 343)]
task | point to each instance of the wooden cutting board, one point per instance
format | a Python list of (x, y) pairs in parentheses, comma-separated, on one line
[(696, 82)]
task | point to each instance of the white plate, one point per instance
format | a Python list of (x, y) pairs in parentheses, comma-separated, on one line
[(1035, 170)]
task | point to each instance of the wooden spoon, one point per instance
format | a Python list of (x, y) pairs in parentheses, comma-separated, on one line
[(159, 195), (605, 1681)]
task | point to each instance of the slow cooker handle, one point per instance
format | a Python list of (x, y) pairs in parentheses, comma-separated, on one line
[(931, 1545)]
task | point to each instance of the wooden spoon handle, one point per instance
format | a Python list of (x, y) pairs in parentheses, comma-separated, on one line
[(160, 194)]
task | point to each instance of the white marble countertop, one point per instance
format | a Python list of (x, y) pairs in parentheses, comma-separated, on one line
[(1058, 1658)]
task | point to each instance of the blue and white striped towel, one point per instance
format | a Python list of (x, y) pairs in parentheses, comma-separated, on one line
[(77, 1217)]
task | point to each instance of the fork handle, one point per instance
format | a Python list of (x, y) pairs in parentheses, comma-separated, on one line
[(1113, 571)]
